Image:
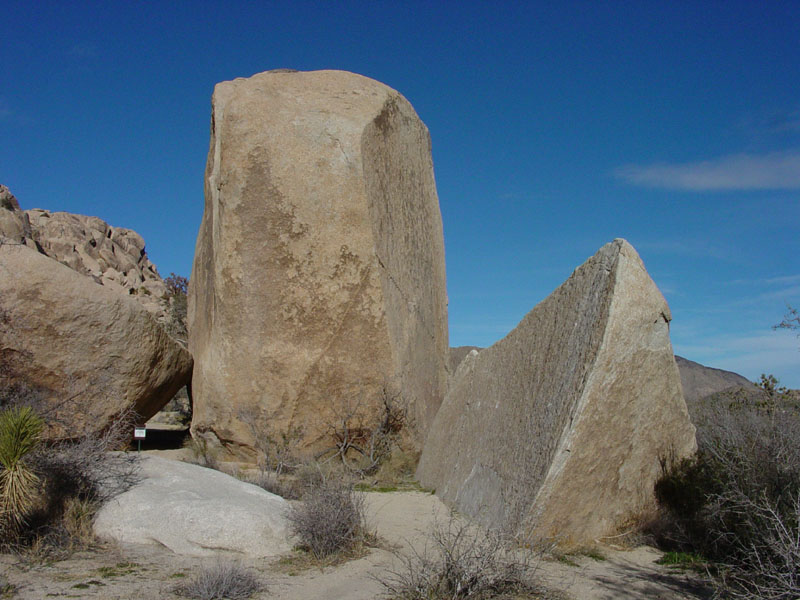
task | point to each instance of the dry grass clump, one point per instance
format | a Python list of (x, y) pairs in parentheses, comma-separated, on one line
[(737, 502), (275, 484), (331, 519), (463, 561), (224, 580), (6, 589)]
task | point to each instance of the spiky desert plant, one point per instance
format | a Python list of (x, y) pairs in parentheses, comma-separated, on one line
[(20, 431)]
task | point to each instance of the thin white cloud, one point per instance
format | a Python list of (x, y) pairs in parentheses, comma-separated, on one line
[(736, 172), (750, 355), (787, 280)]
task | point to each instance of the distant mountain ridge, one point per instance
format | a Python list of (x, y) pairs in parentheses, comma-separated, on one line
[(699, 381)]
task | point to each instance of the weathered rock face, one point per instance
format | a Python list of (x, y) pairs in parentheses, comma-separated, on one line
[(319, 268), (91, 351), (699, 381), (112, 256), (196, 511), (556, 430)]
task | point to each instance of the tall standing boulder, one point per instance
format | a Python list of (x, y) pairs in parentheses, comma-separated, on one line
[(88, 352), (319, 277), (556, 431)]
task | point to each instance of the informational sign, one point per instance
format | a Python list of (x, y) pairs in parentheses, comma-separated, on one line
[(139, 433)]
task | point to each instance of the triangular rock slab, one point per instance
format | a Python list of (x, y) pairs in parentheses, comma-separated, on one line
[(555, 432)]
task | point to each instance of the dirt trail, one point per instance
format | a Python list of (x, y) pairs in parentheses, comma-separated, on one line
[(400, 518)]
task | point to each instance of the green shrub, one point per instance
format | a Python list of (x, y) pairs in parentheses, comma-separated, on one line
[(20, 431)]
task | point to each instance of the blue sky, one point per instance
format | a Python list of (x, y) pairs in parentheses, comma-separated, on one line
[(556, 127)]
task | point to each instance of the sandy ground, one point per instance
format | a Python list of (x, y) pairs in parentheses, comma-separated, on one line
[(400, 520)]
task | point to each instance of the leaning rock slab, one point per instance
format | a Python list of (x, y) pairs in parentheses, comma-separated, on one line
[(197, 512), (90, 351), (555, 431), (319, 274)]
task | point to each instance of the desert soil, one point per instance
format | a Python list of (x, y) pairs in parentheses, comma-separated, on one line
[(401, 520)]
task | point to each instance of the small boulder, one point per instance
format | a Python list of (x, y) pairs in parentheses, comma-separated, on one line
[(196, 511)]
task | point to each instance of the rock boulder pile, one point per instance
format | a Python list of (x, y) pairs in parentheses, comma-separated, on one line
[(319, 278), (113, 256), (555, 431)]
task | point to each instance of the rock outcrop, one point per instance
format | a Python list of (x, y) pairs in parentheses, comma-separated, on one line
[(699, 381), (555, 431), (196, 511), (89, 352), (319, 275), (15, 226), (114, 257)]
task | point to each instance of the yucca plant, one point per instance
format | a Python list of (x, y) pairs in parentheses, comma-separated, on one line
[(20, 433)]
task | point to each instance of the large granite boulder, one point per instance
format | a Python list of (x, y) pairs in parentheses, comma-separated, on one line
[(319, 277), (90, 352), (556, 431), (196, 511)]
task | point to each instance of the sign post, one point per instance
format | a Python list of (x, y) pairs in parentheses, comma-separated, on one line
[(139, 434)]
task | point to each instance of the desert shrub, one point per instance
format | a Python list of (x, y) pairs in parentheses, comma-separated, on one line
[(7, 590), (362, 444), (72, 479), (460, 561), (20, 431), (736, 501), (330, 519), (276, 451), (175, 301), (224, 580)]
